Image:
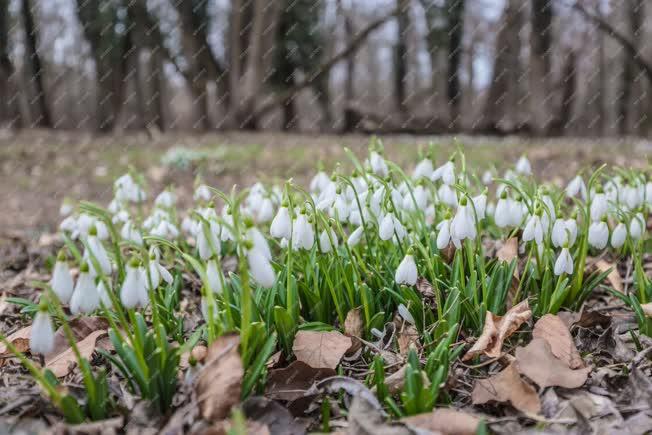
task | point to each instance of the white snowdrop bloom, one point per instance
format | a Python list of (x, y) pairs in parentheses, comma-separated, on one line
[(420, 195), (224, 232), (208, 242), (69, 225), (355, 218), (397, 197), (502, 214), (65, 209), (463, 224), (479, 206), (374, 202), (447, 195), (405, 314), (103, 293), (133, 292), (599, 206), (518, 210), (260, 268), (598, 234), (618, 235), (487, 178), (491, 209), (126, 189), (341, 207), (406, 273), (423, 169), (166, 199), (576, 186), (523, 166), (98, 251), (319, 182), (259, 241), (355, 237), (549, 214), (631, 197), (430, 214), (41, 339), (121, 216), (399, 230), (303, 235), (281, 224), (265, 211), (378, 165), (325, 244), (166, 230), (648, 193), (564, 263), (188, 225), (213, 276), (444, 234), (62, 283), (533, 229), (445, 172), (130, 232), (636, 226), (564, 231), (202, 193), (84, 297), (386, 228), (156, 272)]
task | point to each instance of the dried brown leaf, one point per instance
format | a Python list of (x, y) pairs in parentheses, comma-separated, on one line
[(507, 386), (353, 324), (444, 420), (537, 362), (407, 338), (614, 277), (20, 340), (552, 329), (219, 383), (497, 329), (81, 328), (425, 288), (60, 363), (508, 251), (647, 309), (293, 381), (320, 349)]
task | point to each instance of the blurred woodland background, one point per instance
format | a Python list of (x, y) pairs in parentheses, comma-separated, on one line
[(540, 67)]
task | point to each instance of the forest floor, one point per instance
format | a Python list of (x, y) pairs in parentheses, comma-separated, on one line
[(39, 169)]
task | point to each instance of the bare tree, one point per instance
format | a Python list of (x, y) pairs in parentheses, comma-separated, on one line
[(6, 67), (455, 11), (634, 19), (541, 19), (401, 57), (43, 118), (351, 117)]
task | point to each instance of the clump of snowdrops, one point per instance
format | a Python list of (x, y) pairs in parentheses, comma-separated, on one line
[(388, 242)]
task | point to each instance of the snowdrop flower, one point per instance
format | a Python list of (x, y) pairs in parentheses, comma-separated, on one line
[(463, 224), (134, 288), (502, 215), (599, 206), (303, 235), (165, 199), (103, 293), (325, 244), (66, 208), (130, 232), (61, 282), (69, 225), (341, 207), (319, 182), (564, 231), (281, 224), (447, 195), (202, 193), (166, 230), (126, 189), (446, 172), (423, 169), (636, 226), (84, 297), (41, 339), (523, 166), (157, 271), (406, 273), (259, 241), (97, 250), (549, 214), (386, 228), (487, 178), (260, 268), (265, 210), (208, 242), (420, 198), (378, 165), (355, 237), (533, 229), (444, 235), (213, 275), (598, 234), (479, 206), (618, 235), (631, 197), (224, 232), (564, 263), (576, 186)]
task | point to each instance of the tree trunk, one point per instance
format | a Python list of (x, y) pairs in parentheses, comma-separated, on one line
[(634, 19), (541, 19), (568, 94), (455, 10), (502, 96), (401, 57), (6, 67), (43, 119), (602, 78), (350, 116)]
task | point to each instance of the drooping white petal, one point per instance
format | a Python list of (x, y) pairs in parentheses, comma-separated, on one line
[(41, 338), (84, 297), (261, 269), (62, 283), (406, 273)]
